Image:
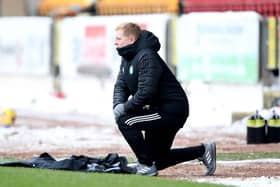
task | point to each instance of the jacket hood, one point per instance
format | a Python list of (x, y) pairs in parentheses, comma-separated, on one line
[(146, 40)]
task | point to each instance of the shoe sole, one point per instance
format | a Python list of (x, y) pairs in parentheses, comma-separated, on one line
[(153, 174), (149, 174)]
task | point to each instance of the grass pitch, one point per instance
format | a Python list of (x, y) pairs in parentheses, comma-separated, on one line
[(29, 177)]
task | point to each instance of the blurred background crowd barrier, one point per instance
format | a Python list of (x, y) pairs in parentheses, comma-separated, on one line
[(231, 47)]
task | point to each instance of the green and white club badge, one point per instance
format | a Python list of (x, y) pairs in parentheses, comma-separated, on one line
[(131, 70)]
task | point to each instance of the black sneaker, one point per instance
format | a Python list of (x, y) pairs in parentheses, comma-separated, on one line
[(209, 158)]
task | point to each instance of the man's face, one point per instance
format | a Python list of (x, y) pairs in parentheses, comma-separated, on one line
[(121, 40)]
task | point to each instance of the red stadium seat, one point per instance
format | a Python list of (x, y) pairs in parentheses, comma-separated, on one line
[(263, 7)]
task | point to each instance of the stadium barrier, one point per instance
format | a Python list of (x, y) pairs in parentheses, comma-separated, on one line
[(90, 44), (84, 48), (24, 48)]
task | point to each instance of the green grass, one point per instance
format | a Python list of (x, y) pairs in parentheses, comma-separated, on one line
[(247, 156), (29, 177), (8, 159), (220, 156)]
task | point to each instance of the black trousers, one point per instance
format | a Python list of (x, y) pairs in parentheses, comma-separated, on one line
[(150, 134)]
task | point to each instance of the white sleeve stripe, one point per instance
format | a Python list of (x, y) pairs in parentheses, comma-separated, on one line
[(140, 117), (144, 118)]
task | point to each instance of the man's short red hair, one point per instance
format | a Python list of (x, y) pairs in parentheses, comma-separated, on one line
[(130, 29)]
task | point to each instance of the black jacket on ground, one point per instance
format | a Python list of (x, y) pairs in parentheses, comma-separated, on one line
[(147, 79), (112, 163)]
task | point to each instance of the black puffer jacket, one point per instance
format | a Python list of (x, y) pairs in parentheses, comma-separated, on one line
[(146, 78)]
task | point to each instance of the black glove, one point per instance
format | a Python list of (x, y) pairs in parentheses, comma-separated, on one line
[(119, 111)]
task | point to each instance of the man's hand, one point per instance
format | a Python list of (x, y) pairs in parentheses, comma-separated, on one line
[(119, 111)]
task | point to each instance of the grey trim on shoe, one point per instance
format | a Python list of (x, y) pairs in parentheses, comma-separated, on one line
[(143, 169)]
